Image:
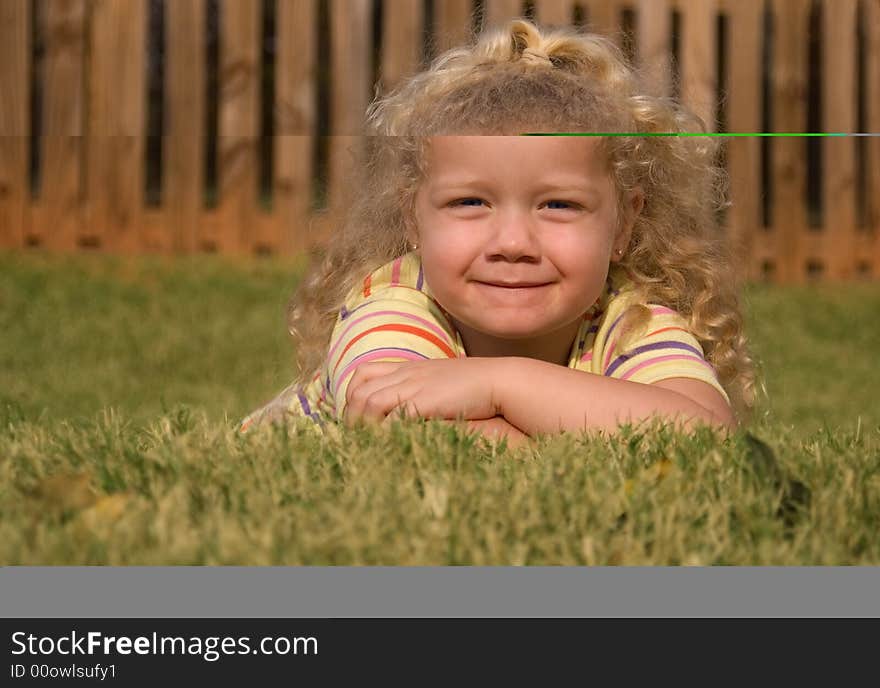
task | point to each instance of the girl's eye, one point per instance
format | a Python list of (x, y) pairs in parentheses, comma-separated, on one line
[(560, 205), (468, 202)]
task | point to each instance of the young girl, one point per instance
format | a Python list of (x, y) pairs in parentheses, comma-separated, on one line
[(525, 284)]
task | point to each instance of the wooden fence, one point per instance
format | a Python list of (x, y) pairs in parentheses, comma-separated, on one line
[(256, 165)]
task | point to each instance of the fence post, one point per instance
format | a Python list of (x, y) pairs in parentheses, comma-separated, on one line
[(789, 106), (15, 49), (351, 29), (452, 24), (58, 218), (839, 115), (744, 96), (116, 124), (499, 11), (183, 144), (872, 101), (554, 12), (698, 83), (402, 36), (238, 112), (654, 45), (603, 16), (295, 121)]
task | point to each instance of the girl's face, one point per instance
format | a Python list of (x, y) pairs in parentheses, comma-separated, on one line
[(516, 234)]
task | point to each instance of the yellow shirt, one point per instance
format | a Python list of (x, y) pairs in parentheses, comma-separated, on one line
[(393, 316)]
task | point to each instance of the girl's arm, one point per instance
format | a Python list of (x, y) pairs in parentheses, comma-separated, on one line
[(496, 428), (541, 397), (533, 396)]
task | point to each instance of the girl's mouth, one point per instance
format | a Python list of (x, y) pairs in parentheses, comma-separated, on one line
[(515, 285)]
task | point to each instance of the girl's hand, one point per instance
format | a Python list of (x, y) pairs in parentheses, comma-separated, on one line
[(453, 388)]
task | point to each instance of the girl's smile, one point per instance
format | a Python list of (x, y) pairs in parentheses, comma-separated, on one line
[(515, 293)]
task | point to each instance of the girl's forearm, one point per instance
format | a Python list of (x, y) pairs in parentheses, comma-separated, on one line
[(496, 428), (541, 397)]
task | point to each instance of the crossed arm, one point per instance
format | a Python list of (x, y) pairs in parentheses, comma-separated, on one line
[(523, 397)]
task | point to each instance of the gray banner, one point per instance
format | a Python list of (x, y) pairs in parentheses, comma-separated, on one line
[(459, 592)]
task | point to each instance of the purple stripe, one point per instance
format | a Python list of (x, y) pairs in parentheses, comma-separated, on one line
[(343, 312), (307, 409), (303, 402), (421, 278), (427, 323), (610, 345), (400, 352), (623, 358), (613, 325), (370, 300), (357, 308)]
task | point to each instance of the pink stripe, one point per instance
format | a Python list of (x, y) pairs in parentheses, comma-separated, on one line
[(672, 357), (662, 310), (655, 310), (608, 355), (587, 356), (427, 323), (366, 358), (395, 271)]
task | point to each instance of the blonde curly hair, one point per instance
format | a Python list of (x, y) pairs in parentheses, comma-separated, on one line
[(520, 78)]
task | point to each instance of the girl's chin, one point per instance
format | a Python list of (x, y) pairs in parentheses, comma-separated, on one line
[(513, 330)]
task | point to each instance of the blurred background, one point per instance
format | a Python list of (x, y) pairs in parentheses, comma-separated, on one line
[(180, 126), (165, 164)]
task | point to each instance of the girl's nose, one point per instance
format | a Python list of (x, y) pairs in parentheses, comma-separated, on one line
[(514, 235)]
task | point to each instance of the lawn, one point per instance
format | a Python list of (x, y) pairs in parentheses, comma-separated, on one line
[(121, 381)]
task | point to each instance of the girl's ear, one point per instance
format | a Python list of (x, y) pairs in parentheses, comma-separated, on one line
[(633, 204), (412, 235)]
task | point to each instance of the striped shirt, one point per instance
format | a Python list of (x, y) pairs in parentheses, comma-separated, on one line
[(393, 316)]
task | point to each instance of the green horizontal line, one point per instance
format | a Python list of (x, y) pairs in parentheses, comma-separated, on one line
[(712, 134)]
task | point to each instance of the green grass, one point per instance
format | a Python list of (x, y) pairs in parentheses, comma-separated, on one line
[(121, 381)]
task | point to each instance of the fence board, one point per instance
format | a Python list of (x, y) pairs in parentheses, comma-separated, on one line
[(789, 93), (61, 211), (839, 101), (452, 24), (116, 124), (295, 121), (499, 11), (184, 122), (872, 101), (743, 96), (351, 29), (555, 12), (402, 36), (698, 45), (239, 117), (603, 16), (99, 132), (654, 45), (14, 117)]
